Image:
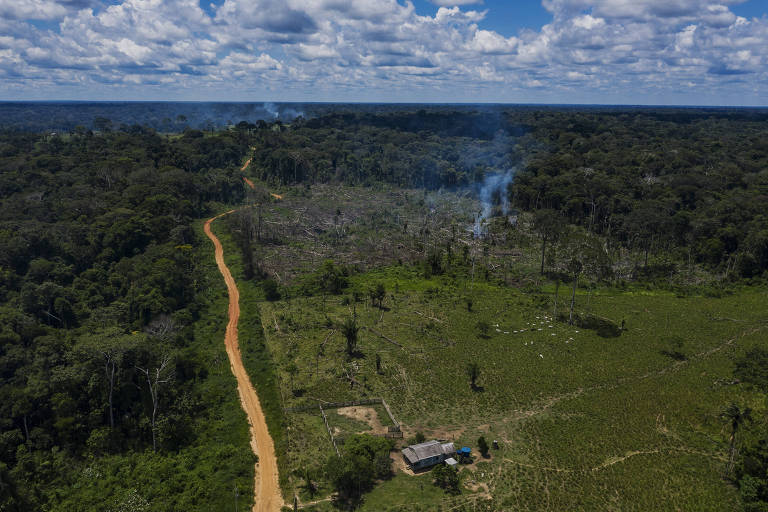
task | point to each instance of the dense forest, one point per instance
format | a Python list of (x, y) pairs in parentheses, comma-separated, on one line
[(99, 261), (99, 290)]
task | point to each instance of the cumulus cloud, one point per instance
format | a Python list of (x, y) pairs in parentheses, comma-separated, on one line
[(31, 10), (590, 47)]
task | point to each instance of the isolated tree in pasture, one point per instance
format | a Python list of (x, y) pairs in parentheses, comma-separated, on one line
[(473, 372), (737, 417), (558, 277), (482, 445), (349, 329), (548, 226)]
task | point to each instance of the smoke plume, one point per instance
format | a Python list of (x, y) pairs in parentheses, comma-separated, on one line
[(488, 188), (288, 113)]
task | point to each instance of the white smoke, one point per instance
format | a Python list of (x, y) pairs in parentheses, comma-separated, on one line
[(287, 113), (271, 108), (491, 184)]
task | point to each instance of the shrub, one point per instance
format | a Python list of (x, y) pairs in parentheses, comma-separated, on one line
[(446, 477), (482, 445), (271, 292)]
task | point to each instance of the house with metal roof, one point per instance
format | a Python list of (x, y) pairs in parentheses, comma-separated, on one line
[(425, 455)]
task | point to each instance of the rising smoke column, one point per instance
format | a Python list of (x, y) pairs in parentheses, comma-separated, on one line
[(491, 184)]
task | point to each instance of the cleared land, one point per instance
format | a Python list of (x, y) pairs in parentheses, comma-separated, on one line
[(583, 422)]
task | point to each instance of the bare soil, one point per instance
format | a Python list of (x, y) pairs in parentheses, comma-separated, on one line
[(366, 415)]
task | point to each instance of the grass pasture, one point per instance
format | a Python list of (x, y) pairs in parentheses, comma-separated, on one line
[(584, 422)]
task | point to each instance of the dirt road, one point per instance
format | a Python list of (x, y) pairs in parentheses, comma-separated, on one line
[(267, 497)]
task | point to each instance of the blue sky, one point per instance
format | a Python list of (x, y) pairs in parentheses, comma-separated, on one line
[(507, 18), (692, 52)]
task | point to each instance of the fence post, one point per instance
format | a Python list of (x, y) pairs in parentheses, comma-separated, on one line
[(391, 416), (330, 433)]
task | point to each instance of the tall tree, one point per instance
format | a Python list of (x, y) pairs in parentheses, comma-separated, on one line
[(548, 225), (156, 377)]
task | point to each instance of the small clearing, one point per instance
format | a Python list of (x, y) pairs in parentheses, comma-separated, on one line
[(366, 415)]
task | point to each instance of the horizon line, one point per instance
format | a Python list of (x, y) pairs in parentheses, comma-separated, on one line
[(430, 103)]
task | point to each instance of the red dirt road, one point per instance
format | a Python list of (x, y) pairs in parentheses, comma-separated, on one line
[(267, 497)]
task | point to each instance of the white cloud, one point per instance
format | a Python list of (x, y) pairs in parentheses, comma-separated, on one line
[(595, 47), (31, 9), (485, 41), (456, 15), (588, 22)]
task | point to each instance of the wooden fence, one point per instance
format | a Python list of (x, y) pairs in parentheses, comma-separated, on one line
[(330, 432), (352, 403)]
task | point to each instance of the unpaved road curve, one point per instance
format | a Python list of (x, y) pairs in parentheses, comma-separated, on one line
[(267, 497)]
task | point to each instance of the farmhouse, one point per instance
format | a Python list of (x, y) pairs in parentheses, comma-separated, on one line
[(424, 455)]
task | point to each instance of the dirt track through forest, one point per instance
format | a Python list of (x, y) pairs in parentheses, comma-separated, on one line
[(267, 497)]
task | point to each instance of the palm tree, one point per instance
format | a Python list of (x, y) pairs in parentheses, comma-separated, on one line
[(737, 417), (350, 329)]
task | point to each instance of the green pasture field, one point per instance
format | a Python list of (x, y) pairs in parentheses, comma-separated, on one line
[(583, 422)]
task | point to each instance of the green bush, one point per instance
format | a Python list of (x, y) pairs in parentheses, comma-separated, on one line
[(446, 477), (271, 292)]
